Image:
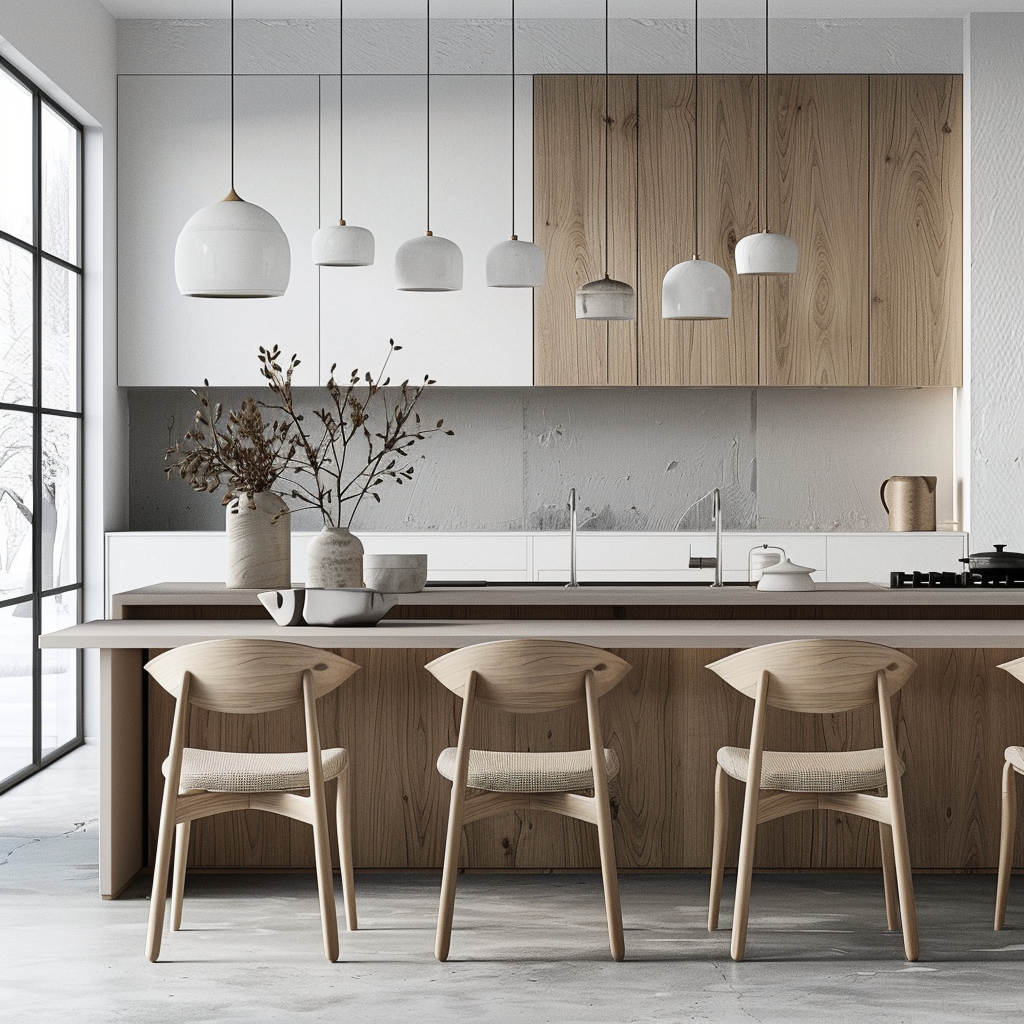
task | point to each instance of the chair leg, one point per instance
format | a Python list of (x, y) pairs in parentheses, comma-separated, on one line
[(158, 898), (1007, 830), (744, 871), (324, 873), (446, 910), (721, 838), (344, 816), (610, 879), (181, 837), (892, 906), (901, 849)]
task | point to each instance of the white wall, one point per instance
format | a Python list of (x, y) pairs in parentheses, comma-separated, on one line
[(69, 48)]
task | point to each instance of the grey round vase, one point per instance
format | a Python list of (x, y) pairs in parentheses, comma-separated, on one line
[(334, 559)]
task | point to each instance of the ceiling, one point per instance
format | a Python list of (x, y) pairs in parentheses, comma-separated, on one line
[(642, 9)]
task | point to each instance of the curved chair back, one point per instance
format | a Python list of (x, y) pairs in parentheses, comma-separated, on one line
[(1015, 668), (529, 676), (248, 676), (817, 676)]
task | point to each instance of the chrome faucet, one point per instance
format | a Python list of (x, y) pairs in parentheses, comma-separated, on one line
[(572, 538), (701, 562)]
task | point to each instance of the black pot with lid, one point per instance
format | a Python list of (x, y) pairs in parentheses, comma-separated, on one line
[(995, 563)]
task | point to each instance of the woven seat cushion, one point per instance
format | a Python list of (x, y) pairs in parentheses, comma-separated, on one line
[(1015, 755), (501, 771), (837, 771), (222, 771)]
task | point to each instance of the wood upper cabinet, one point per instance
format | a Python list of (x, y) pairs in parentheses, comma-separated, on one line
[(864, 172), (916, 248), (814, 323), (705, 352), (569, 224)]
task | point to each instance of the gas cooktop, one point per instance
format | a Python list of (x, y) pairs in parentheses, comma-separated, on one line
[(1010, 578)]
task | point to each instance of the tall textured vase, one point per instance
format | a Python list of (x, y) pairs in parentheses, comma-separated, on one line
[(259, 549), (334, 559)]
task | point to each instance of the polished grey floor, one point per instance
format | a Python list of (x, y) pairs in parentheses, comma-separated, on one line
[(527, 947)]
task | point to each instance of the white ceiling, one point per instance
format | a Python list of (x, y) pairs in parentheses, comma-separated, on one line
[(556, 8)]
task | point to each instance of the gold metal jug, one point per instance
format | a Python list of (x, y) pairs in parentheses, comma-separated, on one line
[(911, 504)]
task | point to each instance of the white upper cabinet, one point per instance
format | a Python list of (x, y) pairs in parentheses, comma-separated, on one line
[(173, 148), (173, 159)]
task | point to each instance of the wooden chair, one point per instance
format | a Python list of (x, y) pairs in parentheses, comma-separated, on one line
[(250, 677), (1012, 766), (818, 677), (528, 677)]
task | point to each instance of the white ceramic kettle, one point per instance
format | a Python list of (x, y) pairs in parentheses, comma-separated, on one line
[(786, 576)]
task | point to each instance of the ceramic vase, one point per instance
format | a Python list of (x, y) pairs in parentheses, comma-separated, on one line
[(259, 549), (334, 559)]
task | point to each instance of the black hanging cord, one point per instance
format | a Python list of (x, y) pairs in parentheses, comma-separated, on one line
[(232, 95), (428, 117), (696, 130), (767, 107), (513, 77), (341, 112), (607, 131)]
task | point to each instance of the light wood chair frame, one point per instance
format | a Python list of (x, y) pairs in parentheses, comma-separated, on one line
[(819, 677), (1007, 818), (528, 677), (250, 677)]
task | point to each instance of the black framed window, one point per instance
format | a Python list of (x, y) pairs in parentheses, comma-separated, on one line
[(40, 425)]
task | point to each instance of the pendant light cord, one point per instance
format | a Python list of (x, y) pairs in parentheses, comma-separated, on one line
[(232, 95), (767, 107), (341, 112), (513, 77), (607, 132), (428, 117), (696, 132)]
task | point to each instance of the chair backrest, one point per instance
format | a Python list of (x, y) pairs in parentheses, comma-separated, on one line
[(817, 676), (529, 676), (1015, 668), (248, 676)]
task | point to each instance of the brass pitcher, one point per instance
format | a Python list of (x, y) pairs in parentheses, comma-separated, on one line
[(911, 504)]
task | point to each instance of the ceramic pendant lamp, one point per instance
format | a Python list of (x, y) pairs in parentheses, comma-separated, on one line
[(341, 244), (766, 252), (696, 289), (428, 263), (232, 249), (515, 263), (605, 298)]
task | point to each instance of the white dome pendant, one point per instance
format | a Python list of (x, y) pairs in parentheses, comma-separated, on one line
[(515, 264), (605, 299), (696, 290), (429, 263), (232, 250)]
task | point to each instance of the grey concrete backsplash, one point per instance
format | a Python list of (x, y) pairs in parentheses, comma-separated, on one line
[(639, 458)]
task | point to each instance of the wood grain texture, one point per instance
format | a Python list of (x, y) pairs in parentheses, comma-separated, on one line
[(665, 721), (569, 197), (916, 272), (814, 324), (714, 352)]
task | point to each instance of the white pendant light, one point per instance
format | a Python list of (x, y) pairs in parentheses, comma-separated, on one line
[(766, 252), (429, 263), (341, 244), (605, 298), (515, 263), (696, 289), (232, 249)]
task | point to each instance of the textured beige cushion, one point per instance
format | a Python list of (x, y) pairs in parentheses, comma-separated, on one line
[(1015, 755), (221, 771), (816, 772), (503, 771)]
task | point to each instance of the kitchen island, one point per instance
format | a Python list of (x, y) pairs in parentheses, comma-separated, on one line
[(666, 721)]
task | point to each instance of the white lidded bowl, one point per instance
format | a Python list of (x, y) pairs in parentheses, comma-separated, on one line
[(785, 576), (395, 574), (315, 606)]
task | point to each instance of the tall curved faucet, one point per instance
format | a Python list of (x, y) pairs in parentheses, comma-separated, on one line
[(572, 538), (698, 562)]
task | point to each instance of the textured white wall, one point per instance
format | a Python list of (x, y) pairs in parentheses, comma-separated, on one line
[(997, 279)]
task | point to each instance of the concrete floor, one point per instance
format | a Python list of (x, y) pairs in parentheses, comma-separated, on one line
[(530, 947)]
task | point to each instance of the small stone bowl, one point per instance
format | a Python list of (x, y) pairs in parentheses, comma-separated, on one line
[(395, 574)]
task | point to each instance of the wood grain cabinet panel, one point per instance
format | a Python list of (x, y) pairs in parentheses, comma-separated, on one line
[(569, 224), (709, 352), (814, 325), (916, 270)]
